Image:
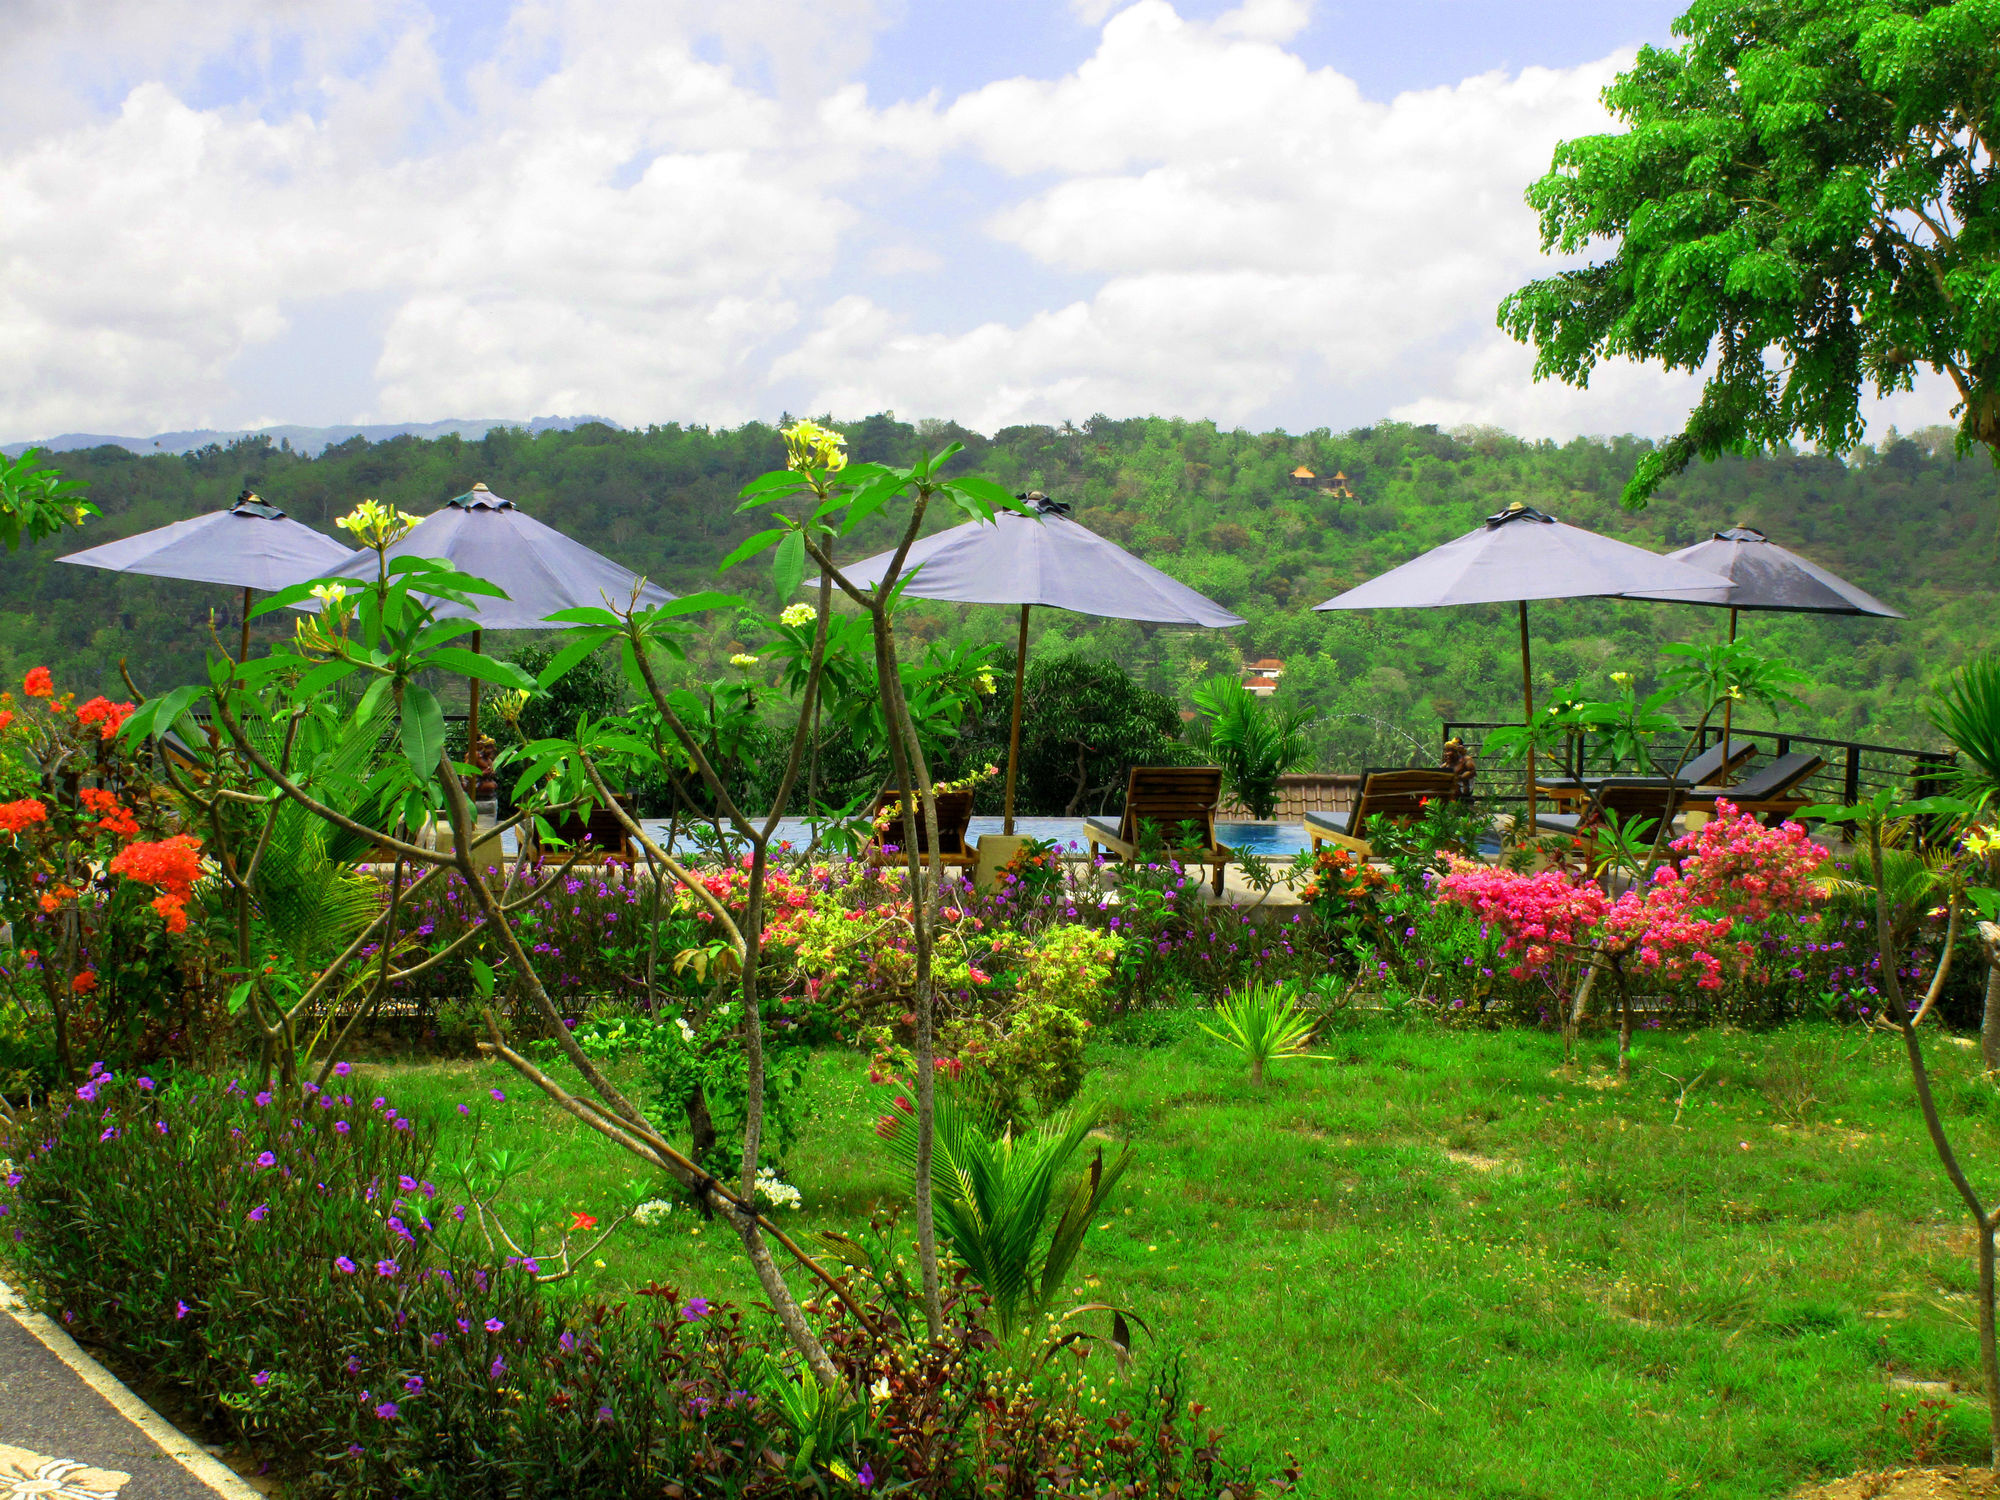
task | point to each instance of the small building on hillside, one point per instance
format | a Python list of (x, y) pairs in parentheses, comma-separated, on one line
[(1261, 687), (1303, 476)]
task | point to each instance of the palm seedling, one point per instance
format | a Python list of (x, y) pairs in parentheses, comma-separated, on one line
[(1264, 1023), (1008, 1204)]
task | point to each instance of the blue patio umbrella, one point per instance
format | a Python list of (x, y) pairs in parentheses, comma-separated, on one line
[(541, 570), (1041, 558), (250, 546), (1520, 555)]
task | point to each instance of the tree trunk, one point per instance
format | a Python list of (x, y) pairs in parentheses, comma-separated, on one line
[(701, 1129), (1624, 1019), (1989, 1025)]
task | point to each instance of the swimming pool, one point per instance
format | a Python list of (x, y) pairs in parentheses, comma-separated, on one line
[(1265, 840)]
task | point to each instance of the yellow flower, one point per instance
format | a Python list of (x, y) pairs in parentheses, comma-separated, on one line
[(811, 446), (797, 614), (742, 659), (377, 525), (986, 683), (1623, 679), (509, 705), (1982, 841)]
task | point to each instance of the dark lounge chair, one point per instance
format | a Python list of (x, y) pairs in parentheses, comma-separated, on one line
[(954, 814), (1717, 760)]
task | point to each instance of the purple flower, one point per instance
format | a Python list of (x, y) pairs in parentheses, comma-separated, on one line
[(396, 1228), (181, 1310), (261, 1378), (465, 1109), (402, 1124), (161, 1126), (498, 1095), (494, 1325), (407, 1183), (341, 1126), (87, 1092), (604, 1414), (414, 1384), (437, 1341), (355, 1450), (341, 1069), (379, 1102), (260, 1213), (264, 1099), (147, 1084), (385, 1268), (268, 1159), (343, 1265), (499, 1368), (697, 1308), (354, 1364), (866, 1477), (386, 1411)]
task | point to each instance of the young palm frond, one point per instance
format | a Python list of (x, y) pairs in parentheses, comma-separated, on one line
[(1002, 1202), (1966, 711), (1264, 1023)]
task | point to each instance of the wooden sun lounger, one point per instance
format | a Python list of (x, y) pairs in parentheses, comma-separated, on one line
[(602, 835), (1167, 796), (1397, 795), (954, 813), (1767, 793)]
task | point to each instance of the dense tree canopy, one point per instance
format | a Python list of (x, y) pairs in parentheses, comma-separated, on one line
[(1805, 205)]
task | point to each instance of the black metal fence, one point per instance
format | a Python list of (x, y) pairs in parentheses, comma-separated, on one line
[(1853, 769)]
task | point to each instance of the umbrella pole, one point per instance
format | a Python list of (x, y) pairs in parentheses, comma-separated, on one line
[(245, 656), (1528, 713), (1014, 733), (1728, 707), (472, 704)]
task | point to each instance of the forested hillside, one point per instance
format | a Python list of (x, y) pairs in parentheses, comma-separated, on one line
[(1220, 510)]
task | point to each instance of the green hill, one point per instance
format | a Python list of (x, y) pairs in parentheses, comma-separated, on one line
[(1220, 510)]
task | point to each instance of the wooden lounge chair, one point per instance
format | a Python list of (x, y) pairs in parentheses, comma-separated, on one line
[(1398, 795), (602, 835), (1167, 796), (954, 812), (1701, 770)]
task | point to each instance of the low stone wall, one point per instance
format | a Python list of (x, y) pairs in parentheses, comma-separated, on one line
[(1320, 792)]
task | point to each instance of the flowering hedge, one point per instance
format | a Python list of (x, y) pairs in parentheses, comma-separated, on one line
[(299, 1275)]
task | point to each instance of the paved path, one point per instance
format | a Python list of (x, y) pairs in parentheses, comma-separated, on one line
[(70, 1431)]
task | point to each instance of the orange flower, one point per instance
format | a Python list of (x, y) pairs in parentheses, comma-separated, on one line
[(37, 683), (101, 710), (85, 982), (174, 864), (96, 798), (6, 717), (582, 1221), (16, 816), (172, 910), (121, 823)]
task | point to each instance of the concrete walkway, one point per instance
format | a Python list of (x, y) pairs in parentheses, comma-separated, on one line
[(70, 1431)]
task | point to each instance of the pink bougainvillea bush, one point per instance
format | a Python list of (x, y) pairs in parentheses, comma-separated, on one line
[(1698, 920)]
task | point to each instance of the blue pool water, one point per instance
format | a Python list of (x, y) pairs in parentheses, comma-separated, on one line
[(1266, 840)]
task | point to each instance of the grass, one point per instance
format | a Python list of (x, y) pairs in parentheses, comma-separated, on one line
[(1440, 1264)]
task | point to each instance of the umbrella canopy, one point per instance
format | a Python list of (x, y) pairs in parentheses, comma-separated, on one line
[(1048, 559), (1520, 555), (541, 569), (1763, 575), (249, 546), (1041, 558)]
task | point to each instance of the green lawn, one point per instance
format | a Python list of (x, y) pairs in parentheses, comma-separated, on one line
[(1437, 1264)]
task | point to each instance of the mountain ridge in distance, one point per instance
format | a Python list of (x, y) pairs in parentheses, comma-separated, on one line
[(308, 440)]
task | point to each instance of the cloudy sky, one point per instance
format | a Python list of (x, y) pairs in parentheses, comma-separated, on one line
[(1274, 212)]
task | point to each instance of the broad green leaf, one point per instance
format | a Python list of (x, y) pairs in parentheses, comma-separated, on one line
[(750, 548), (423, 729), (788, 565), (464, 663)]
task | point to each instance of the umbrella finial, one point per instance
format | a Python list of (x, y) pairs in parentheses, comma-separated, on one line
[(1519, 511), (480, 486), (250, 503)]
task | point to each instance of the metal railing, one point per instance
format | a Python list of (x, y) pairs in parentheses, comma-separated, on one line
[(1853, 769)]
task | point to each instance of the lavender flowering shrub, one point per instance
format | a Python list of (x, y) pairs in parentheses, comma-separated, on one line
[(296, 1272)]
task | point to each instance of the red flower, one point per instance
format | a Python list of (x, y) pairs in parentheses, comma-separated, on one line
[(6, 717), (16, 816), (173, 910), (37, 684), (85, 982), (582, 1221)]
